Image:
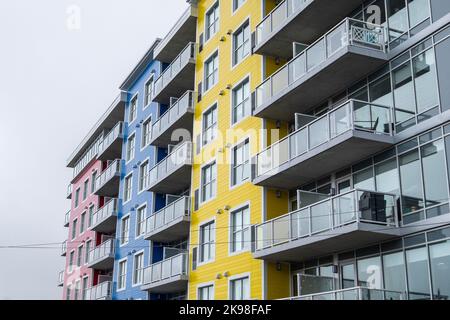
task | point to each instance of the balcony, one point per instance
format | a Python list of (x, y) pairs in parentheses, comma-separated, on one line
[(179, 116), (300, 21), (104, 220), (336, 224), (167, 276), (102, 257), (173, 174), (69, 192), (348, 52), (182, 32), (170, 223), (61, 279), (178, 77), (357, 293), (343, 136), (107, 184), (67, 219), (64, 248), (102, 291), (110, 146)]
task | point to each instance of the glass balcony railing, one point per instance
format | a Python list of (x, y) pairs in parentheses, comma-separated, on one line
[(159, 220), (101, 291), (166, 269), (113, 170), (64, 248), (110, 137), (69, 191), (107, 211), (348, 32), (67, 219), (356, 206), (357, 293), (61, 278), (179, 157), (180, 107), (278, 17), (352, 115), (103, 251), (188, 53), (87, 157)]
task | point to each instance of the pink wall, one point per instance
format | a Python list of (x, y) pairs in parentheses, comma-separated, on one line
[(80, 239)]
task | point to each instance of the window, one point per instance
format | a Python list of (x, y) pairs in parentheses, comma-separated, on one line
[(211, 71), (241, 43), (82, 222), (212, 21), (240, 289), (85, 189), (86, 252), (208, 180), (80, 256), (240, 229), (138, 268), (433, 164), (127, 188), (133, 109), (77, 290), (140, 220), (148, 91), (125, 231), (237, 4), (143, 175), (94, 177), (207, 241), (68, 293), (394, 272), (240, 163), (91, 216), (77, 197), (146, 133), (74, 228), (425, 80), (71, 258), (206, 293), (122, 275), (241, 103), (417, 265), (440, 264), (411, 182), (130, 147), (209, 125), (85, 287)]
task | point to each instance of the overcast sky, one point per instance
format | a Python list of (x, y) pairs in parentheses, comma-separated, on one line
[(56, 79)]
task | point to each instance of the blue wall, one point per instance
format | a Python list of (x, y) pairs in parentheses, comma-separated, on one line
[(135, 245)]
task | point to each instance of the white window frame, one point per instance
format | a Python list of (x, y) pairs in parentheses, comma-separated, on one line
[(133, 106), (90, 217), (206, 285), (85, 189), (77, 197), (85, 286), (148, 94), (245, 228), (235, 6), (123, 276), (128, 192), (236, 278), (213, 162), (71, 258), (134, 283), (94, 177), (130, 151), (215, 74), (212, 243), (140, 235), (240, 85), (144, 143), (80, 259), (83, 222), (214, 8), (143, 175), (74, 229), (87, 249), (124, 234), (214, 126), (235, 60), (233, 166)]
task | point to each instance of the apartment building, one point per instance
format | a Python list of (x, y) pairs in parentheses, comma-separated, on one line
[(133, 251), (90, 247), (365, 98)]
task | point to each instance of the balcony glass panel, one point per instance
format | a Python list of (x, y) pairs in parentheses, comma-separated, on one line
[(357, 293), (171, 212), (166, 269), (108, 174), (110, 137), (105, 212), (104, 250)]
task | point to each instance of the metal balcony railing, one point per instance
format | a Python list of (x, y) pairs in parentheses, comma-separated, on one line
[(167, 119), (101, 291), (277, 17), (179, 157), (166, 269), (64, 248), (87, 157), (356, 206), (67, 219), (188, 53), (113, 169), (352, 115), (356, 293), (104, 250), (159, 220), (61, 278), (69, 191), (108, 210), (348, 32), (110, 137)]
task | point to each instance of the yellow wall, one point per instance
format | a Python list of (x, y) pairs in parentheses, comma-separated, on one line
[(219, 150)]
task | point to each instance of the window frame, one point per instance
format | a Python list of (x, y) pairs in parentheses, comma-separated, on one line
[(122, 278), (212, 58), (128, 188), (211, 111), (246, 247), (240, 86), (240, 31), (211, 224), (132, 108), (208, 166), (213, 9), (124, 233), (233, 166)]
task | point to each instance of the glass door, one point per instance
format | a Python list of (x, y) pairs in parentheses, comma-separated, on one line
[(347, 280)]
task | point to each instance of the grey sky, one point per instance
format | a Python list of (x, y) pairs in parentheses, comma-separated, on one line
[(54, 84)]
